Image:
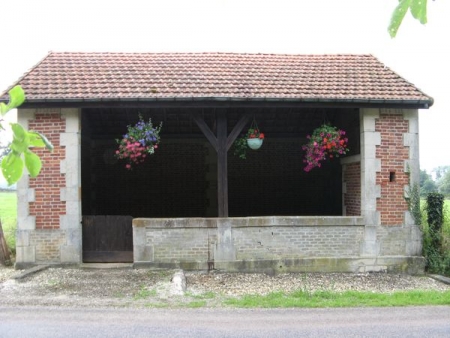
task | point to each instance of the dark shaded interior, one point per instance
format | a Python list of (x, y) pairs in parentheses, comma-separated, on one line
[(180, 179)]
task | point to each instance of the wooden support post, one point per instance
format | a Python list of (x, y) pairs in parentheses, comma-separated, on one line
[(205, 130), (237, 130), (222, 168), (221, 144), (5, 259)]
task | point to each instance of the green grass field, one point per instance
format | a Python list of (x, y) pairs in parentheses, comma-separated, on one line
[(8, 216)]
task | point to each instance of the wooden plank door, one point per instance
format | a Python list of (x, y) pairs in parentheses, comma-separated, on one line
[(107, 239)]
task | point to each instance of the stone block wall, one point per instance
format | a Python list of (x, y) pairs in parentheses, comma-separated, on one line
[(396, 240), (47, 244), (275, 244), (280, 242)]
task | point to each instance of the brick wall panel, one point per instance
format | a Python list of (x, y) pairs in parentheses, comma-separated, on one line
[(352, 198), (393, 154), (48, 206)]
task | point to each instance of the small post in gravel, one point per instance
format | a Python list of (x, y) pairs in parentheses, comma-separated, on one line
[(4, 250)]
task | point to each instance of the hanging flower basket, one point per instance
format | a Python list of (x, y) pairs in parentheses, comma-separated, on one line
[(254, 143), (253, 139), (326, 142), (141, 141)]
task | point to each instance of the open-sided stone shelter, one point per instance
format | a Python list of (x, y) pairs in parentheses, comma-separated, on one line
[(194, 204)]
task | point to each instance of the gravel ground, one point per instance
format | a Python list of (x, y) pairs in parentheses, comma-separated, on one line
[(140, 287)]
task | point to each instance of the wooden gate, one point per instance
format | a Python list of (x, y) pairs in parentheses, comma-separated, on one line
[(107, 239)]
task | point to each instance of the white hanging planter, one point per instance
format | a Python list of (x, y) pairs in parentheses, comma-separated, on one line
[(254, 143)]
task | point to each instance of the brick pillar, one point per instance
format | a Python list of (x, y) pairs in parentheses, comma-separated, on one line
[(389, 149), (49, 206), (394, 153), (351, 185)]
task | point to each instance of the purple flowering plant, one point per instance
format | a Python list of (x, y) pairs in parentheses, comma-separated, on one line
[(326, 142), (141, 140)]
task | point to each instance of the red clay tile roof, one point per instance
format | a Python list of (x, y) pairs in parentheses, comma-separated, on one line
[(216, 76)]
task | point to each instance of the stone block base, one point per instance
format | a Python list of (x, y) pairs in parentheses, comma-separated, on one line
[(407, 265)]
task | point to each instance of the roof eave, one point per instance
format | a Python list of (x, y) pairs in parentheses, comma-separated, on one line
[(204, 101)]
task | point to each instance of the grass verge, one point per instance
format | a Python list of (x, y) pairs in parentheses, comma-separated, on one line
[(144, 293), (323, 299)]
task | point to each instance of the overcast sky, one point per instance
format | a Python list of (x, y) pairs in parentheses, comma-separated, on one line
[(421, 54)]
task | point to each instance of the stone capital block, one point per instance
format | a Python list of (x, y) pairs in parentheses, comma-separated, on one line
[(25, 115), (26, 223), (72, 119), (70, 222), (414, 248), (25, 254), (372, 217), (139, 236), (370, 249), (143, 253), (69, 194), (70, 254), (367, 118), (224, 249), (412, 115), (22, 238), (69, 139), (73, 238), (73, 207), (409, 220)]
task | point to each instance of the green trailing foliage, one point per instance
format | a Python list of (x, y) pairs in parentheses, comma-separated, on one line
[(20, 155), (436, 241), (435, 206), (414, 204), (413, 200), (418, 9), (435, 218)]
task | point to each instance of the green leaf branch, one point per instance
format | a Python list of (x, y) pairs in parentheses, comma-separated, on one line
[(20, 154), (16, 98), (418, 9)]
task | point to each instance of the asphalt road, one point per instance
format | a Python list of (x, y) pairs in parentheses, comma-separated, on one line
[(38, 322)]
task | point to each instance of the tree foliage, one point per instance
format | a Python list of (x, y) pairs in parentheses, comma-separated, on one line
[(20, 154), (442, 180), (441, 171), (440, 183), (418, 9), (427, 185), (444, 184)]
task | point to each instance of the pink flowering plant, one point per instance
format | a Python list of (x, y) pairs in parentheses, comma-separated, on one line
[(141, 141), (326, 142)]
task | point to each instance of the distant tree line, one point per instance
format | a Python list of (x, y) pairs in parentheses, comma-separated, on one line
[(437, 181)]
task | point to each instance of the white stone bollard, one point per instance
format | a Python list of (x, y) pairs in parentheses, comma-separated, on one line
[(178, 283)]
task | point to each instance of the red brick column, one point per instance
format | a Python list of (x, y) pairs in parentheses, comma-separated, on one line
[(352, 192), (392, 178), (47, 206)]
